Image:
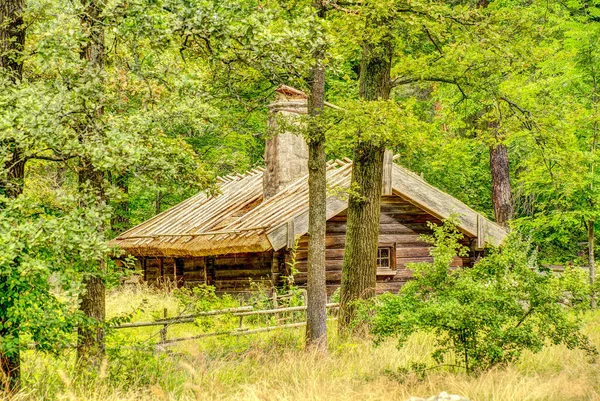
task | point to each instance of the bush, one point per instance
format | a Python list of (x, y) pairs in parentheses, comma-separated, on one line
[(487, 314), (203, 298)]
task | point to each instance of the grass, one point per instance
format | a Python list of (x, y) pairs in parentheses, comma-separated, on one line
[(273, 366)]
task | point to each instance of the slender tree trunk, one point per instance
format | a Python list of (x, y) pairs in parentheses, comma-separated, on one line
[(90, 336), (316, 313), (120, 221), (591, 259), (12, 42), (359, 269), (591, 233), (501, 189)]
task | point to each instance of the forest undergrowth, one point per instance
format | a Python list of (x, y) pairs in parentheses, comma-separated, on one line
[(274, 366)]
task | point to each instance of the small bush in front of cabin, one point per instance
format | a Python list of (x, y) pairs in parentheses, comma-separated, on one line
[(485, 315), (203, 298)]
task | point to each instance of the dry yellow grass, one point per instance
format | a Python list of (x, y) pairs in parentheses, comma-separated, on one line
[(273, 367)]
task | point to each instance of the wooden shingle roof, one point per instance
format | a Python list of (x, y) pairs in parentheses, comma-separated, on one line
[(238, 220)]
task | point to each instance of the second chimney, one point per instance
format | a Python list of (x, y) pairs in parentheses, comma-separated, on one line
[(286, 153)]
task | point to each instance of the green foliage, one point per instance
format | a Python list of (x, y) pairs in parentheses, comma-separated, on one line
[(182, 99), (44, 253), (485, 315), (203, 298)]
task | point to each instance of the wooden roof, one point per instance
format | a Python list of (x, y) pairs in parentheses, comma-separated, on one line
[(238, 220)]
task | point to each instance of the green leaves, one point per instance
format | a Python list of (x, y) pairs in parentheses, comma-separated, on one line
[(488, 314)]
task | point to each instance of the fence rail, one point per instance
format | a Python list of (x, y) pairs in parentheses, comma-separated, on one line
[(240, 312), (184, 318)]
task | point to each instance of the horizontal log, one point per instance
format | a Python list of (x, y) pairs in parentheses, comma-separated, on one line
[(185, 318), (193, 273), (331, 241), (196, 337), (240, 281), (330, 254), (330, 276), (335, 264), (403, 261), (413, 252), (387, 228), (280, 310), (250, 262), (193, 264), (240, 273), (193, 283), (265, 329), (404, 218)]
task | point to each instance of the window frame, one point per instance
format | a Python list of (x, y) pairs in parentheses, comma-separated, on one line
[(391, 247)]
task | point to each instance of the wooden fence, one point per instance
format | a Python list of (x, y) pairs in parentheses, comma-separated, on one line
[(239, 312)]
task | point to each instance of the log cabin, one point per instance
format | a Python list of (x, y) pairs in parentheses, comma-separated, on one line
[(256, 227)]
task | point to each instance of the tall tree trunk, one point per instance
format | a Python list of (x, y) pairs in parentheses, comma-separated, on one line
[(12, 38), (316, 312), (359, 269), (12, 42), (120, 221), (90, 335), (10, 361), (591, 232), (591, 259), (501, 189)]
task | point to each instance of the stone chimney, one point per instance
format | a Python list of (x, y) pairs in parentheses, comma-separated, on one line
[(286, 153)]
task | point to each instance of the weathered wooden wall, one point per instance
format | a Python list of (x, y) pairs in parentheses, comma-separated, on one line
[(401, 224), (194, 271), (228, 273), (235, 272)]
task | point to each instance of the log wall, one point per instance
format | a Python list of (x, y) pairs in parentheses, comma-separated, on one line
[(401, 224), (241, 271), (228, 273)]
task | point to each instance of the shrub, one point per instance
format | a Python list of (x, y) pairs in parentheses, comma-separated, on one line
[(487, 314), (204, 298)]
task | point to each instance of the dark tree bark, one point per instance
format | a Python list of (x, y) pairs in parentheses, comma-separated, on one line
[(501, 189), (12, 42), (359, 269), (591, 236), (316, 313), (120, 221), (12, 38), (591, 229), (90, 336)]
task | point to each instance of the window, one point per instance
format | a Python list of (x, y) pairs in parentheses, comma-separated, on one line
[(386, 258), (383, 257)]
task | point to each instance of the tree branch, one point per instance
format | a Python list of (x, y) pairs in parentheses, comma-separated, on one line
[(431, 39), (406, 81)]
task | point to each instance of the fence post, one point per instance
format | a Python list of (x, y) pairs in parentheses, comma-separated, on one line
[(163, 331), (241, 317), (275, 306)]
